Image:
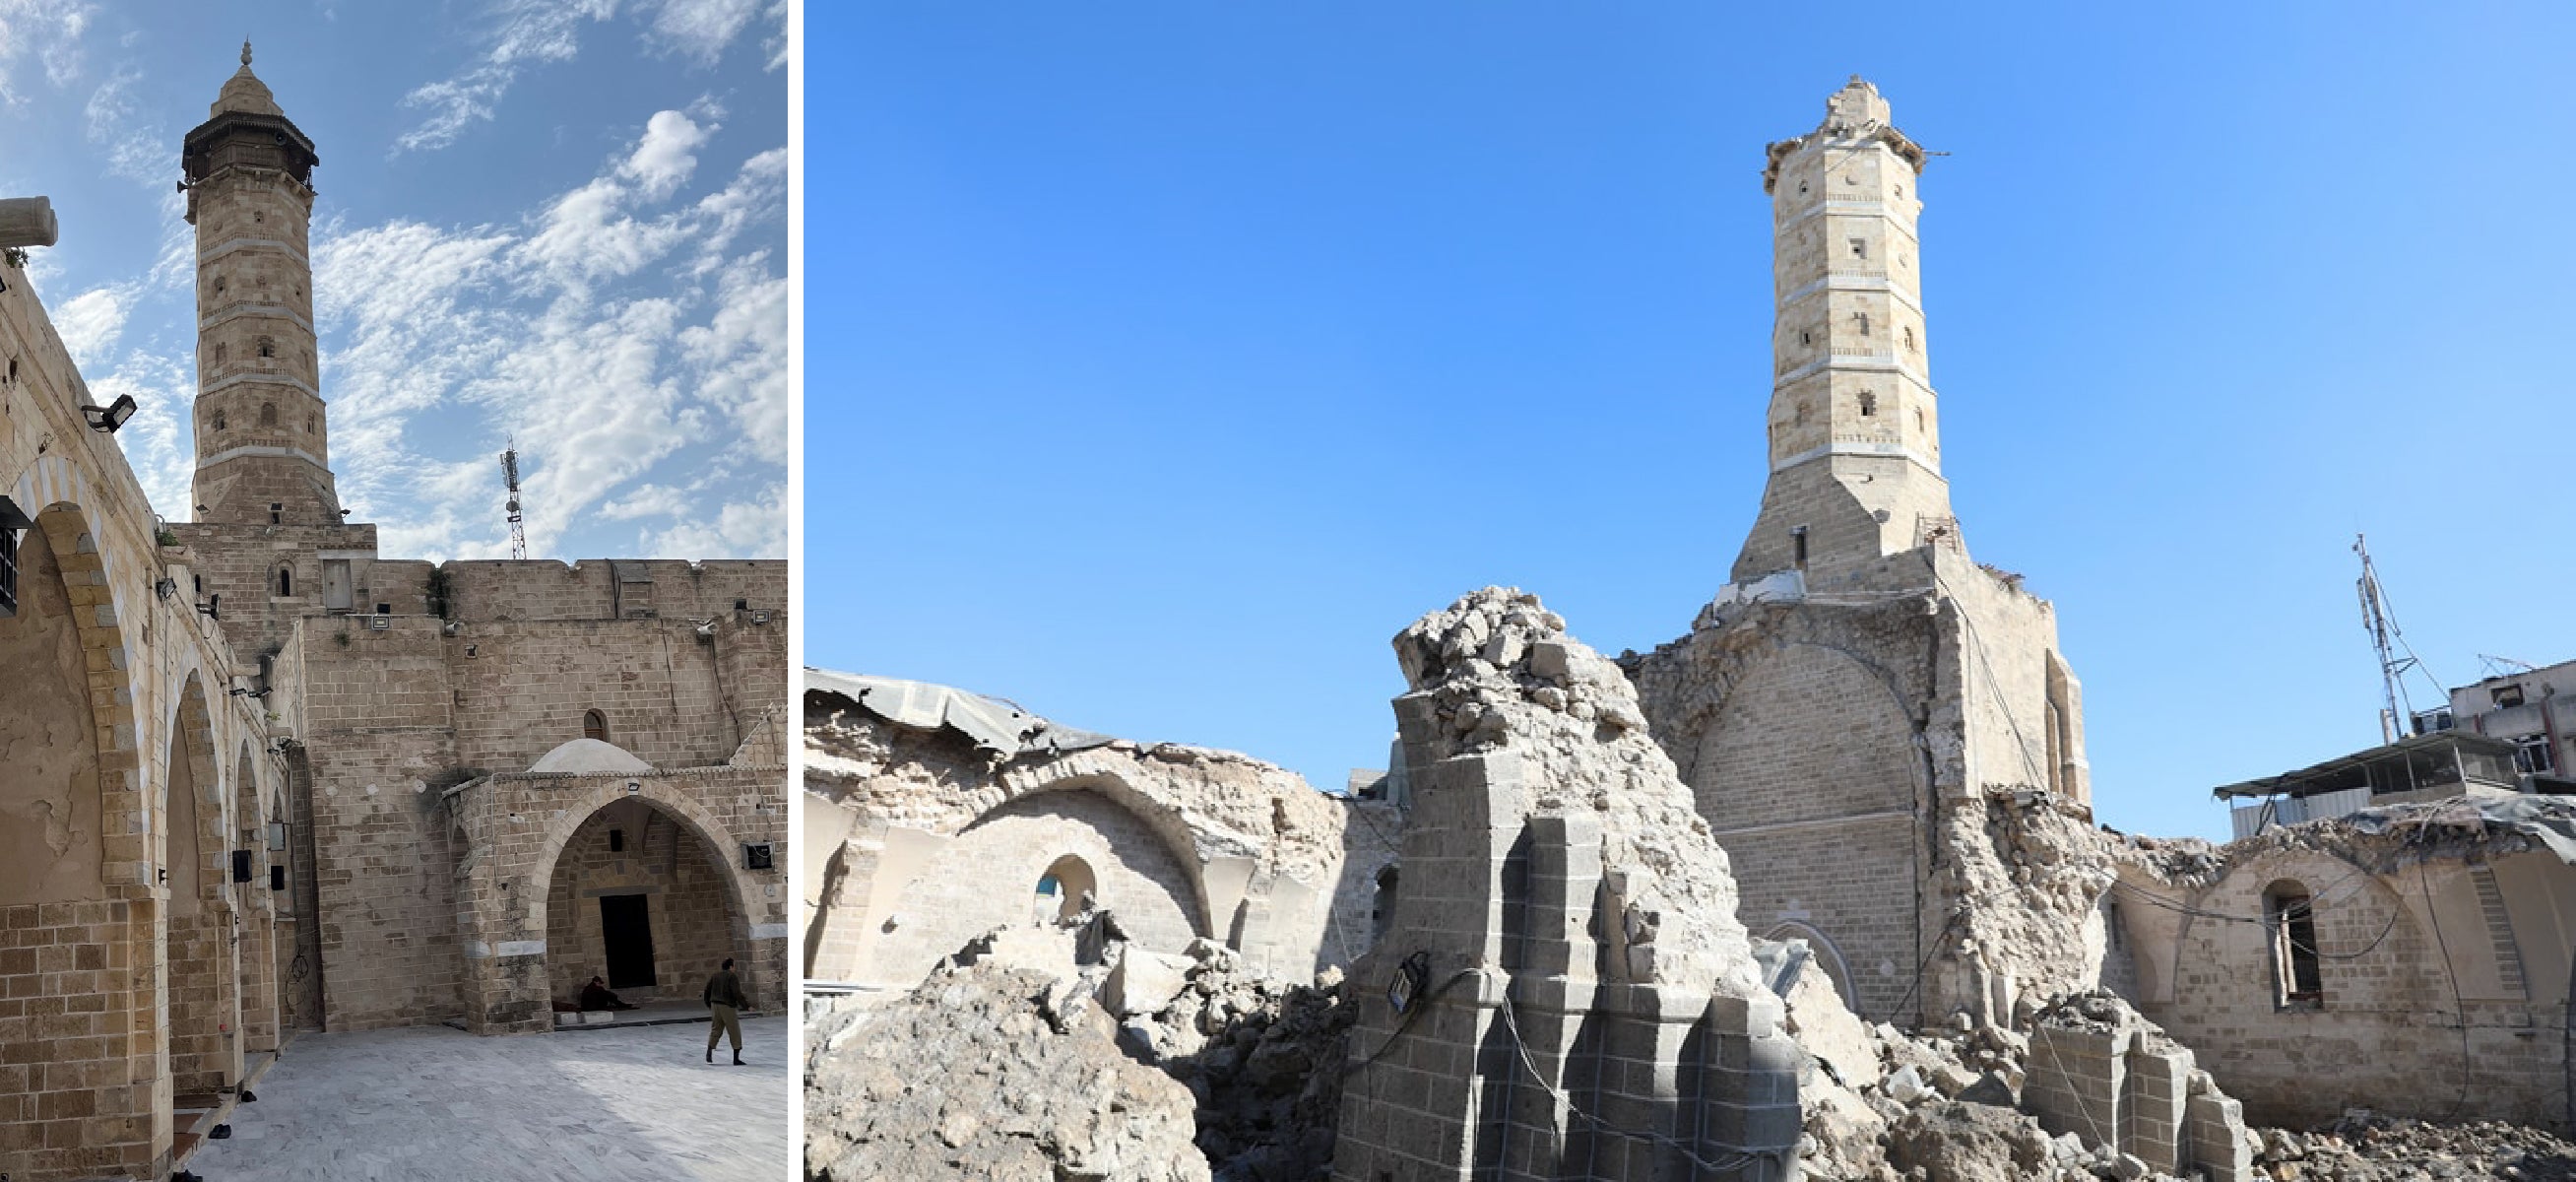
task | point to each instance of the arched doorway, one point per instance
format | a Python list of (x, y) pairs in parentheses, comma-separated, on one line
[(205, 1050), (639, 897)]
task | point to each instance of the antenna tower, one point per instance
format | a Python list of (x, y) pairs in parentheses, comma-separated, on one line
[(2396, 657), (510, 476)]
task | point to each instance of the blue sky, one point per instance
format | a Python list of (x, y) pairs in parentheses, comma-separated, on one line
[(1168, 359), (562, 221)]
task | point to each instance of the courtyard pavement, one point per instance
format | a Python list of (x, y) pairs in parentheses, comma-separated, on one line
[(636, 1104)]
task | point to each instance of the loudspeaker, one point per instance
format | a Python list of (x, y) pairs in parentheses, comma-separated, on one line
[(241, 865)]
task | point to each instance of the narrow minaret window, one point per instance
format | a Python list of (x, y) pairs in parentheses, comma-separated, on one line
[(219, 420), (267, 347), (1909, 337), (285, 582), (1868, 404), (1862, 320), (268, 414), (1860, 248), (1798, 545)]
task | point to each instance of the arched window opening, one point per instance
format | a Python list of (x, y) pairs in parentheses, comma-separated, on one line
[(267, 347), (285, 581), (1382, 909), (220, 351), (2289, 916), (1066, 891), (268, 414), (219, 420), (594, 725)]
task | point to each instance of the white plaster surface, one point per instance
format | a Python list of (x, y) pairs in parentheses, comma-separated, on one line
[(631, 1105)]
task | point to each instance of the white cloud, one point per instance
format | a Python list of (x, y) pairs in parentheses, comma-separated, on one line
[(700, 29), (90, 322), (525, 32), (137, 150), (666, 155), (656, 397), (530, 33), (49, 29)]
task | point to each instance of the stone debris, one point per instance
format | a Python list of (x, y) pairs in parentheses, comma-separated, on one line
[(1501, 673), (2365, 1147), (1264, 1058), (990, 1070), (1085, 1058)]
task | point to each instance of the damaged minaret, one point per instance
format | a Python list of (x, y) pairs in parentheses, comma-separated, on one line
[(1563, 991), (1867, 717)]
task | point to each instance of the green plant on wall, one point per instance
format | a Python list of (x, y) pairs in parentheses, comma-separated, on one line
[(438, 588)]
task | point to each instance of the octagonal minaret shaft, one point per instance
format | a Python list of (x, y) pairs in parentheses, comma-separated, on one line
[(1855, 442), (263, 440)]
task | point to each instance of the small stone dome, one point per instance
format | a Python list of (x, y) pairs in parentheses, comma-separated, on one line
[(590, 755)]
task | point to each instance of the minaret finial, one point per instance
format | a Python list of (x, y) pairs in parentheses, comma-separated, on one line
[(245, 53)]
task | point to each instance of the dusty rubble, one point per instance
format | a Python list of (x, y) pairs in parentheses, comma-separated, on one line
[(2366, 1148), (1084, 1057), (1501, 672), (989, 1071)]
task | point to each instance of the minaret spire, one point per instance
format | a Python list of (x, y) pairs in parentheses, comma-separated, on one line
[(1855, 443), (263, 445)]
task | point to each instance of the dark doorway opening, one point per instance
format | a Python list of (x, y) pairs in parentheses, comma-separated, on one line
[(626, 928)]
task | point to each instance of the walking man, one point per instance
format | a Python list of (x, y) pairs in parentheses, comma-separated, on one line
[(724, 1008)]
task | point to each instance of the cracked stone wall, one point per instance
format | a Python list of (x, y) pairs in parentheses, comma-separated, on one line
[(923, 842), (1583, 1002), (2444, 954), (1873, 726)]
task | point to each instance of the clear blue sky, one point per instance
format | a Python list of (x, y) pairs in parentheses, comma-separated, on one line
[(1165, 360), (562, 221)]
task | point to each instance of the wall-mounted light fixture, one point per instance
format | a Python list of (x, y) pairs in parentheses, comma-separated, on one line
[(106, 419)]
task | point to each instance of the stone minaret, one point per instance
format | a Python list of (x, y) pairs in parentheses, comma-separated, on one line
[(1855, 430), (263, 452)]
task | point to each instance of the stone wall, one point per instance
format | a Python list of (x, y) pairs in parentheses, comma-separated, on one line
[(511, 830), (2443, 996), (1877, 726), (1180, 841), (620, 589), (111, 690), (683, 882)]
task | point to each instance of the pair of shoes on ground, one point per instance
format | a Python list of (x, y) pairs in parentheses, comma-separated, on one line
[(737, 1057)]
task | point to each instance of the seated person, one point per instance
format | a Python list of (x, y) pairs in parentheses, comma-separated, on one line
[(595, 996)]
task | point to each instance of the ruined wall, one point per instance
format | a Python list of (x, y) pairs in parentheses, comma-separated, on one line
[(2444, 977), (1584, 1004), (1185, 841), (987, 876), (1879, 725), (689, 912)]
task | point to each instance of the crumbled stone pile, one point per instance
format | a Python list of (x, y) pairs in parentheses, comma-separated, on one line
[(1501, 673), (990, 1071), (1263, 1057), (2363, 1147), (1046, 1054)]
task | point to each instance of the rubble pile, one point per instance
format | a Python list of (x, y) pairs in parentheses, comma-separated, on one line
[(1262, 1056), (989, 1070), (2363, 1147), (1943, 1103), (1501, 674)]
